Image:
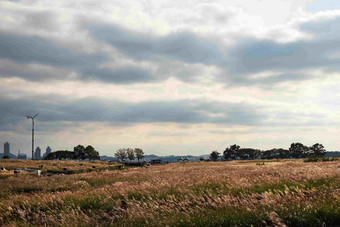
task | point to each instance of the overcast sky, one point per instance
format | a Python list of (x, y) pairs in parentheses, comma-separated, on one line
[(170, 77)]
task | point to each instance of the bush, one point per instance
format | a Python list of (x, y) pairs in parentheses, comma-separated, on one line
[(5, 156), (320, 159), (312, 159), (134, 164)]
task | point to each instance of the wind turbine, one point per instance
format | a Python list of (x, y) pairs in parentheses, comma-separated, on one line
[(28, 117)]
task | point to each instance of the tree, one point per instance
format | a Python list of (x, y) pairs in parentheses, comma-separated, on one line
[(275, 153), (130, 154), (267, 154), (121, 154), (91, 153), (232, 152), (283, 153), (248, 153), (61, 155), (79, 152), (318, 149), (6, 156), (214, 155), (139, 154), (298, 150)]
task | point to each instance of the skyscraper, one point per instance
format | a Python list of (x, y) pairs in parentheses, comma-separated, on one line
[(6, 148), (48, 150), (37, 153)]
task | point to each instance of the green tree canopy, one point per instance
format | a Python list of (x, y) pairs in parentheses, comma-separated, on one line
[(214, 155), (79, 152), (60, 155), (298, 150), (6, 156), (232, 152), (318, 149), (91, 153)]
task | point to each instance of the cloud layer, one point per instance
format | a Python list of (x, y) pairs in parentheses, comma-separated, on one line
[(232, 64)]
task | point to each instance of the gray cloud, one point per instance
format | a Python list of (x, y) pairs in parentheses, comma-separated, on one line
[(268, 82), (45, 19), (280, 78), (37, 50), (237, 63), (256, 56), (253, 56), (121, 75), (246, 57), (26, 50), (184, 47), (324, 29), (116, 112)]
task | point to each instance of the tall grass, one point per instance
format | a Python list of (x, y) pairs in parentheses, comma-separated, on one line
[(289, 192)]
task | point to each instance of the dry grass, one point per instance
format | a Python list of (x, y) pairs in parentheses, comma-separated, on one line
[(289, 192), (11, 164)]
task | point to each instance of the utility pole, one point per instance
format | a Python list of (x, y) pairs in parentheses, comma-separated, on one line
[(28, 117)]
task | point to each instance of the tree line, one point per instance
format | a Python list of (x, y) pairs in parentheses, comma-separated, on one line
[(296, 150), (79, 153), (129, 153)]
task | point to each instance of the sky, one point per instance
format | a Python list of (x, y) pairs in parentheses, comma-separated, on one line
[(170, 77)]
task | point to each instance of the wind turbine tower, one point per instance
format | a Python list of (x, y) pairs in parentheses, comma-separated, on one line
[(28, 117)]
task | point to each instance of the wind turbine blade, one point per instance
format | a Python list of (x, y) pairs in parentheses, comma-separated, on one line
[(35, 115)]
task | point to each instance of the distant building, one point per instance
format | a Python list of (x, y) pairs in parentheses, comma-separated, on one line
[(37, 153), (48, 150), (6, 148), (22, 156), (155, 161)]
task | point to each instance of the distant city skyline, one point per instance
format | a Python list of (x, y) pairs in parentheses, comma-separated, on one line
[(7, 150), (170, 77), (21, 156)]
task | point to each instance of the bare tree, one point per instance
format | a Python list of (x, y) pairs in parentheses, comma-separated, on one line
[(139, 153), (121, 154), (130, 154)]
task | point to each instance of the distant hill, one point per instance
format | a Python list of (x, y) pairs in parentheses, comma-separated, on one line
[(332, 154), (107, 158), (173, 158), (11, 156), (169, 158)]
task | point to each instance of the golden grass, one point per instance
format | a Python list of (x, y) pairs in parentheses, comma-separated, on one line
[(206, 193), (12, 164)]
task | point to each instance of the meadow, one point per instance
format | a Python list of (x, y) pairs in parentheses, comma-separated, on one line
[(233, 193)]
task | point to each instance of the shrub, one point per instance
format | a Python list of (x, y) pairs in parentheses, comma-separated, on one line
[(5, 156)]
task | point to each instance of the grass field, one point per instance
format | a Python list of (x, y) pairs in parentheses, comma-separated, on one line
[(235, 193)]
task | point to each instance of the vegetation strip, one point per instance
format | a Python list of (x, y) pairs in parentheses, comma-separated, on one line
[(196, 194)]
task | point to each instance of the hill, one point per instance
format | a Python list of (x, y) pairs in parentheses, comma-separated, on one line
[(169, 158), (332, 154), (175, 158), (11, 156)]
